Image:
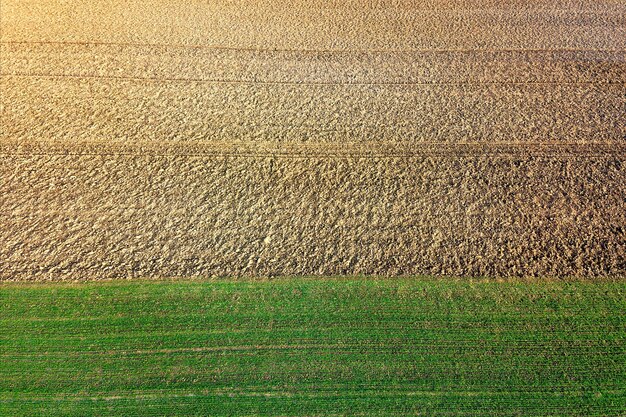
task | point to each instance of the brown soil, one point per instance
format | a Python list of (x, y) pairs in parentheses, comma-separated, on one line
[(169, 139)]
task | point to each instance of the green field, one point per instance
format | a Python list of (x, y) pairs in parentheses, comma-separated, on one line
[(309, 347)]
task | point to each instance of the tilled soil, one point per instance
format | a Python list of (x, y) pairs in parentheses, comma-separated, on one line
[(226, 138)]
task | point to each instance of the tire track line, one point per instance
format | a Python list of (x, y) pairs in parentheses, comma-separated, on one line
[(613, 148), (331, 51), (299, 83)]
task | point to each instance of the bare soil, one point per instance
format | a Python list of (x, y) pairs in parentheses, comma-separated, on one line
[(226, 138)]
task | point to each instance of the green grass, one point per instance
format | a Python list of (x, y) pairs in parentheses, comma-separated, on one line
[(307, 347)]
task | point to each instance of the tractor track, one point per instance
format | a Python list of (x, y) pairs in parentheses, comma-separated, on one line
[(317, 150)]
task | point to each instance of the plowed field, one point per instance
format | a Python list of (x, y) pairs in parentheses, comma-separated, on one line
[(175, 139)]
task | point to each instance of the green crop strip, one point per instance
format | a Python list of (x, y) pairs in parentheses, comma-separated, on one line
[(307, 347)]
